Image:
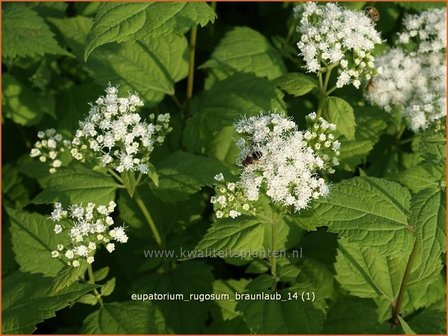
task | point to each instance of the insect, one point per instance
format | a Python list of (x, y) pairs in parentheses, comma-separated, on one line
[(372, 13), (252, 158)]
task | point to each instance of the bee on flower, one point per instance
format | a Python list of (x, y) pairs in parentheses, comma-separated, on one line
[(289, 165)]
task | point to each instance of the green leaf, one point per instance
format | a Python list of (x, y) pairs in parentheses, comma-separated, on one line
[(339, 112), (29, 299), (78, 184), (108, 288), (120, 22), (182, 174), (245, 50), (89, 299), (25, 33), (234, 235), (235, 97), (351, 315), (33, 239), (295, 83), (368, 210), (277, 316), (101, 274), (428, 217), (421, 177), (22, 104), (125, 318), (150, 66), (129, 181), (189, 277), (429, 321), (227, 309), (69, 275), (406, 328)]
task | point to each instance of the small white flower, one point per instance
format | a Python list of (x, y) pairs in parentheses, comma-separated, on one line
[(57, 228), (69, 254), (54, 254), (75, 263), (90, 259), (110, 247)]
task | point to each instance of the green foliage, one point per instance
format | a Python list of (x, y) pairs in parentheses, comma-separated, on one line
[(78, 184), (25, 33), (28, 299), (371, 254), (125, 318)]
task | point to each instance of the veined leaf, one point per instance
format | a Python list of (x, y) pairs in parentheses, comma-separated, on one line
[(421, 177), (25, 33), (33, 239), (120, 22), (234, 235), (78, 184), (368, 210), (149, 66), (29, 299), (339, 112), (295, 83), (125, 318), (245, 50)]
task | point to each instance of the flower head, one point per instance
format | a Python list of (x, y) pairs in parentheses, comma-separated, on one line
[(87, 228), (116, 136), (49, 148), (284, 163), (334, 36)]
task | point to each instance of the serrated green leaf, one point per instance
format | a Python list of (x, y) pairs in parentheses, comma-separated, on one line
[(421, 177), (183, 173), (339, 112), (129, 181), (29, 299), (33, 239), (25, 33), (78, 184), (428, 217), (295, 83), (406, 328), (125, 318), (89, 299), (149, 66), (227, 309), (277, 316), (429, 321), (235, 97), (101, 274), (245, 50), (237, 235), (120, 22), (108, 288), (69, 275), (368, 210)]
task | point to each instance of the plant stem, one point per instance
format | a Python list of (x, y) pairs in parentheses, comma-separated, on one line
[(191, 55), (114, 174), (138, 199), (327, 78), (396, 305), (92, 282)]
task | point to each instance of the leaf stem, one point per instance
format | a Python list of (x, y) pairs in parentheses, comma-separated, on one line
[(114, 174), (92, 282), (191, 56), (138, 199), (396, 305), (273, 259)]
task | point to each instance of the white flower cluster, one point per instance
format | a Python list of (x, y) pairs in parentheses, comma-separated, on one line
[(49, 148), (415, 80), (425, 31), (337, 37), (282, 162), (230, 200), (116, 136), (88, 228)]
